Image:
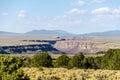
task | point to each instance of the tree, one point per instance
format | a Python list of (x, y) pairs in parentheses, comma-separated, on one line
[(111, 60), (62, 61), (89, 63), (10, 68), (42, 59), (98, 62), (114, 59), (85, 63), (76, 61)]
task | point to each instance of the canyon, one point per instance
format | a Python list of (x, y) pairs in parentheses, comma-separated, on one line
[(58, 45), (35, 48)]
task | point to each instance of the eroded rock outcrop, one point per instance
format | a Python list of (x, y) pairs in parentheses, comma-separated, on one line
[(72, 44), (75, 46), (35, 48)]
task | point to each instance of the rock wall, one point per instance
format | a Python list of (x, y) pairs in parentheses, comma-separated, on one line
[(72, 44), (35, 48), (75, 46)]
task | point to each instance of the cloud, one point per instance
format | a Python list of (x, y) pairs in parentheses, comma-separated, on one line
[(116, 11), (82, 2), (103, 10), (22, 14), (106, 11), (75, 11), (79, 3), (4, 14), (98, 1)]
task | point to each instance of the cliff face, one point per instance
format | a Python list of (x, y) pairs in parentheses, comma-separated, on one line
[(35, 48), (75, 46), (72, 44), (54, 46)]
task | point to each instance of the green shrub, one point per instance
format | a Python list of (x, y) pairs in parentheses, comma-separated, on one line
[(10, 64), (76, 61), (10, 68), (42, 59), (112, 59), (62, 61), (98, 62), (27, 62), (85, 63)]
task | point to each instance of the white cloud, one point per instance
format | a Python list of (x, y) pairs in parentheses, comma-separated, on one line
[(106, 11), (98, 1), (82, 2), (116, 11), (79, 3), (4, 14), (22, 14), (103, 10), (76, 11)]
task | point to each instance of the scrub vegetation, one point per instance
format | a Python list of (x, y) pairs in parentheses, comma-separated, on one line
[(41, 66)]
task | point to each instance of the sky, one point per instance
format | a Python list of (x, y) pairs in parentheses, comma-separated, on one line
[(74, 16)]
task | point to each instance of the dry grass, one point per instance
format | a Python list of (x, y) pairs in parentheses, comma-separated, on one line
[(12, 41), (112, 42), (72, 74)]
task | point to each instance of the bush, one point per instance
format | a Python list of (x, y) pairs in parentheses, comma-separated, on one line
[(85, 63), (10, 68), (62, 61), (42, 59), (27, 62), (76, 61), (92, 63), (10, 64), (112, 59), (98, 62)]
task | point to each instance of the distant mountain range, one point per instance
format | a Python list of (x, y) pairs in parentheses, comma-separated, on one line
[(3, 33), (106, 33), (47, 33), (37, 33), (59, 33)]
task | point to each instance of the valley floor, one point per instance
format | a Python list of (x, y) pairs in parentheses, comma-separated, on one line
[(71, 74)]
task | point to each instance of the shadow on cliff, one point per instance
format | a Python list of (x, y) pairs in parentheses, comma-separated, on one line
[(35, 48)]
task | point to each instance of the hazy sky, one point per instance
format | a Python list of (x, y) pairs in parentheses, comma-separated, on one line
[(75, 16)]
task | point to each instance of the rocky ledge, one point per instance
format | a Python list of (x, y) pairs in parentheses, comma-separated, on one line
[(35, 48)]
